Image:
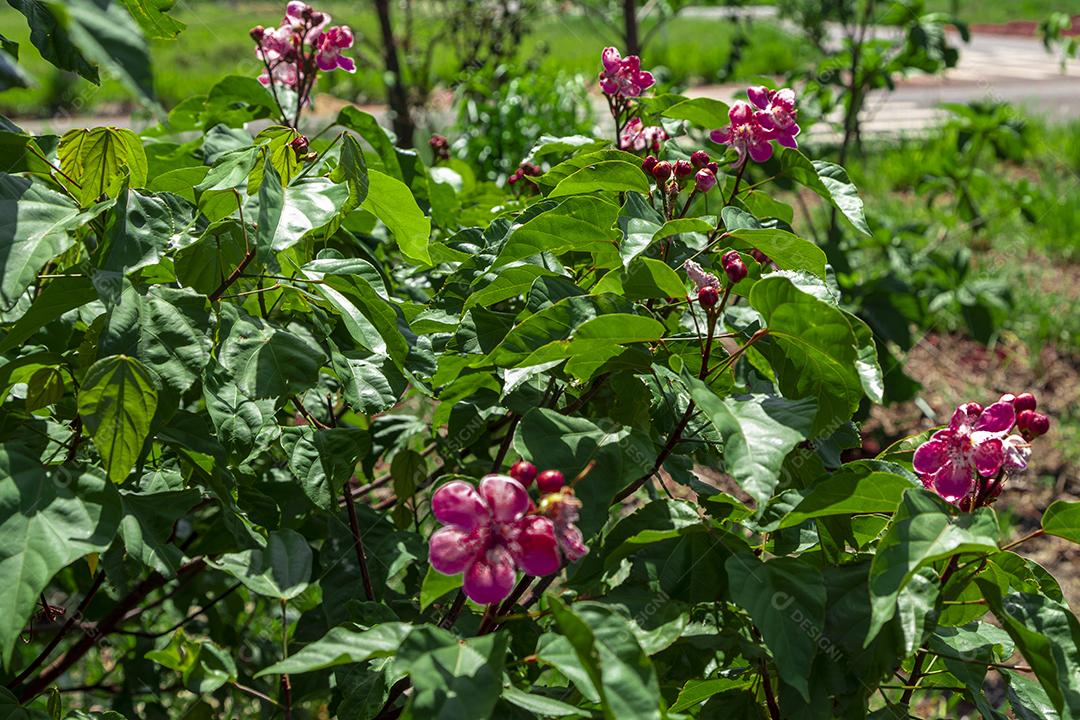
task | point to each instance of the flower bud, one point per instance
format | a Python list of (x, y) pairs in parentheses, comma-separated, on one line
[(1007, 398), (514, 177), (316, 17), (683, 169), (649, 163), (714, 167), (300, 146), (524, 472), (760, 256), (1032, 424), (1024, 401), (733, 266), (704, 181), (550, 481), (256, 33), (708, 296), (662, 170), (699, 159)]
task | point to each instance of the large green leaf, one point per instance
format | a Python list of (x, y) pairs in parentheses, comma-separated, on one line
[(154, 23), (788, 251), (117, 401), (610, 176), (100, 158), (758, 431), (462, 679), (172, 337), (582, 223), (322, 460), (1062, 518), (828, 180), (266, 361), (608, 650), (925, 528), (343, 645), (147, 527), (849, 491), (35, 225), (786, 598), (701, 111), (392, 202), (47, 521), (812, 349), (281, 569)]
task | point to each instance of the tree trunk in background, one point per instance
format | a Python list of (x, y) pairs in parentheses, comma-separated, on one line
[(631, 29), (395, 91)]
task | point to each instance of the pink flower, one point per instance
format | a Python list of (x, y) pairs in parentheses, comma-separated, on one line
[(776, 113), (745, 134), (328, 46), (636, 135), (299, 14), (699, 277), (623, 77), (489, 535), (974, 442), (562, 509), (284, 73)]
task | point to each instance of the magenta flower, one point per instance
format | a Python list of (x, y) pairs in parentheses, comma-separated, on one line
[(699, 277), (562, 509), (489, 535), (745, 134), (776, 113), (621, 76), (636, 135), (974, 442), (328, 46)]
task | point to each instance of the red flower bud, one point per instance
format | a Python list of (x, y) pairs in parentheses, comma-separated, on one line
[(683, 169), (714, 168), (704, 181), (649, 163), (524, 472), (550, 481), (733, 266), (1007, 397), (256, 33), (1024, 401), (299, 146), (662, 170), (708, 296), (1032, 424), (759, 256), (699, 159)]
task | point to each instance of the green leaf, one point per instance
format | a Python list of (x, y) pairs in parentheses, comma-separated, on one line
[(702, 112), (352, 169), (828, 180), (323, 460), (540, 705), (925, 528), (46, 386), (695, 692), (117, 401), (311, 205), (1047, 635), (644, 278), (846, 493), (788, 251), (268, 362), (607, 648), (461, 680), (48, 520), (271, 205), (236, 417), (610, 176), (368, 128), (1062, 518), (172, 339), (786, 598), (581, 223), (35, 223), (279, 570), (392, 202), (60, 295), (436, 585), (147, 527), (99, 158), (812, 349), (153, 22), (1027, 698), (758, 431), (343, 645)]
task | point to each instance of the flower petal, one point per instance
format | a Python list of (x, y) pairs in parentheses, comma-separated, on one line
[(953, 481), (536, 550), (759, 95), (1017, 452), (507, 498), (457, 503), (721, 136), (491, 578), (761, 151), (571, 543), (997, 418), (930, 457), (451, 550), (611, 59), (989, 456)]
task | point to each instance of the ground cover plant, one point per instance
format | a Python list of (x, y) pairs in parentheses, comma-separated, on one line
[(306, 426)]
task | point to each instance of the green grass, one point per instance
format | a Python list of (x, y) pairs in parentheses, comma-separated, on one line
[(216, 43)]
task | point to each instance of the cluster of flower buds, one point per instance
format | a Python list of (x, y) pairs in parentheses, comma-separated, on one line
[(967, 462), (638, 136), (495, 529), (623, 77), (700, 167), (440, 147), (770, 115), (525, 169), (733, 265), (302, 44)]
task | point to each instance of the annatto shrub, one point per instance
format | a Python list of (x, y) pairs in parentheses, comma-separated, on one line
[(306, 427)]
